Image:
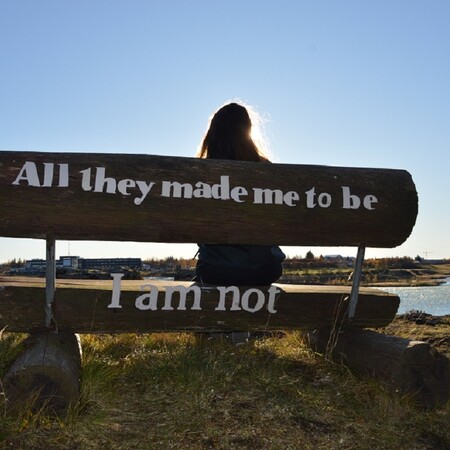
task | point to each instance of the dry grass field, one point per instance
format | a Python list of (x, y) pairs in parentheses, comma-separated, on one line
[(184, 391)]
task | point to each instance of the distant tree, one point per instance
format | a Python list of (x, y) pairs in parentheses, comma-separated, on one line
[(16, 263), (309, 255)]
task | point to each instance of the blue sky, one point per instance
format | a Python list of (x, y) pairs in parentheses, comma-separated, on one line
[(348, 83)]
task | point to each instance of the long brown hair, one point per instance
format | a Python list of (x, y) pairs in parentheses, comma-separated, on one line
[(229, 136)]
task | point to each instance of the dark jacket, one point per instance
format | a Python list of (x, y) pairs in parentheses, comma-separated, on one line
[(242, 265)]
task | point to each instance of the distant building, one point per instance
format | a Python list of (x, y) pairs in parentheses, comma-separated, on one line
[(35, 266), (341, 261), (109, 263), (434, 261), (69, 261), (38, 266), (333, 257)]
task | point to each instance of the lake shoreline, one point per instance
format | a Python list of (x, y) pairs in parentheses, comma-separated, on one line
[(426, 275), (420, 326), (403, 283)]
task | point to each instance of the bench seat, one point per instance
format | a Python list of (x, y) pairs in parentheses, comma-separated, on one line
[(82, 306)]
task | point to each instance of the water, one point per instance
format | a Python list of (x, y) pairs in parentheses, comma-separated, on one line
[(431, 299), (160, 278)]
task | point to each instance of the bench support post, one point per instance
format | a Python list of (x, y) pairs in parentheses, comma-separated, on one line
[(50, 280), (46, 373), (412, 368), (356, 282)]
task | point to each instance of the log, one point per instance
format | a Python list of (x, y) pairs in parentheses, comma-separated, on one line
[(110, 197), (47, 373), (413, 368), (84, 306)]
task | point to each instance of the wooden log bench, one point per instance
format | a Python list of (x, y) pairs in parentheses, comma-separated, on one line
[(143, 198)]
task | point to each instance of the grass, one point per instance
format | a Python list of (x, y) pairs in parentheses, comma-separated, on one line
[(181, 391)]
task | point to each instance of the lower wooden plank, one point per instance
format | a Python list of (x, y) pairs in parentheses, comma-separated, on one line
[(85, 306)]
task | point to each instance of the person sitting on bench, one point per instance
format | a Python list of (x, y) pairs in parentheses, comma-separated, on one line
[(229, 137)]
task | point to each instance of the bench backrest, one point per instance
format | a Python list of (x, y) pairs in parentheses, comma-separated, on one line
[(165, 199), (126, 197)]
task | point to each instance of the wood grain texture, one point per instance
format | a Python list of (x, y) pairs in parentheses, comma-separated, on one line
[(82, 307), (75, 213), (49, 369)]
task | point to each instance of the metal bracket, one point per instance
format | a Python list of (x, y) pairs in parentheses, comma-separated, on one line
[(50, 280), (356, 282)]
